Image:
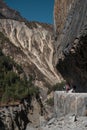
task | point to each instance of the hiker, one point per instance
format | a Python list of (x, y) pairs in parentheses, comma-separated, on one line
[(67, 87), (74, 89)]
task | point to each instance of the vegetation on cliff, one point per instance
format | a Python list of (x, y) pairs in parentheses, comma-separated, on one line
[(13, 81)]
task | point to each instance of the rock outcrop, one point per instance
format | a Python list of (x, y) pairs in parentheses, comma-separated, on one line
[(19, 115), (71, 39), (70, 103)]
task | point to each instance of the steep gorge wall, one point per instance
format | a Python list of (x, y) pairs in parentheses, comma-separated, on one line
[(35, 43), (34, 40), (71, 50), (61, 9)]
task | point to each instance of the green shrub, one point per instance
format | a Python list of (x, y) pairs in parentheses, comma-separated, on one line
[(12, 87), (57, 87), (33, 90)]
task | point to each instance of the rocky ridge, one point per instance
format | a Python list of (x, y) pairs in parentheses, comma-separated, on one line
[(8, 13)]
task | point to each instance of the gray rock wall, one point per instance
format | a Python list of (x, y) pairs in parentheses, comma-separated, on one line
[(21, 115), (70, 23), (70, 103)]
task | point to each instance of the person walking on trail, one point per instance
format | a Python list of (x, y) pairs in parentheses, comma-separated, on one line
[(67, 87), (74, 89)]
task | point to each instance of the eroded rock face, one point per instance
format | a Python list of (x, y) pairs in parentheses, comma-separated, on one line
[(36, 44), (71, 41), (34, 39)]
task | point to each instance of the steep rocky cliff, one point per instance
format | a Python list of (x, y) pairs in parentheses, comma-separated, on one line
[(71, 41), (30, 45), (34, 40), (35, 44), (21, 115)]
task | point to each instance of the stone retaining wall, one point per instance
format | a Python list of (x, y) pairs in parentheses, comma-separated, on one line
[(70, 103)]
